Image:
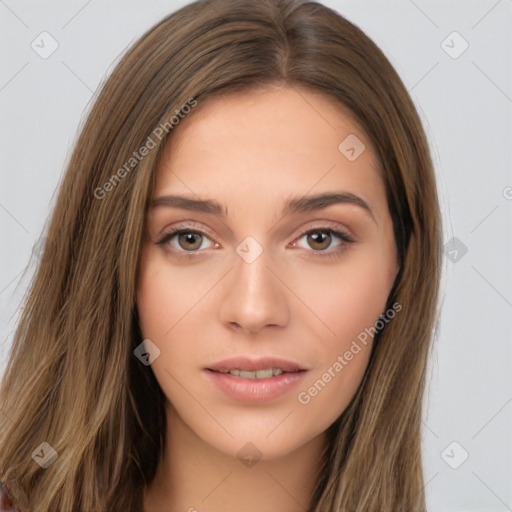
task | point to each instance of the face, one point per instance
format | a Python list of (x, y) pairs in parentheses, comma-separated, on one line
[(270, 254)]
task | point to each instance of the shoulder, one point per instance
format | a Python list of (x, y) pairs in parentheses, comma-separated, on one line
[(6, 504)]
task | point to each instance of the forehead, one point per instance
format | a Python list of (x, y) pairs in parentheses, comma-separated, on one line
[(268, 143)]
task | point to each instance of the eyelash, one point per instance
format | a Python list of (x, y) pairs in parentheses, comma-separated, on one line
[(344, 238)]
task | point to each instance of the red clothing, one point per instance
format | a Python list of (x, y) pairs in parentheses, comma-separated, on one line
[(6, 504)]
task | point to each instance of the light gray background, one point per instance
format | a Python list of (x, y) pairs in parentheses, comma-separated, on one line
[(466, 106)]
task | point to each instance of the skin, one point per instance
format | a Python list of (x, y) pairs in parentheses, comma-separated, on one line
[(251, 152)]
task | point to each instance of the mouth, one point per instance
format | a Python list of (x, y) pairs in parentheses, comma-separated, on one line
[(266, 373), (249, 367), (249, 379)]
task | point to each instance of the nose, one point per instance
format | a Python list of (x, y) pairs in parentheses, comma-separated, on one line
[(253, 297)]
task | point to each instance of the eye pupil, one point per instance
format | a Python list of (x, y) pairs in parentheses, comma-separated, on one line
[(313, 238), (189, 237)]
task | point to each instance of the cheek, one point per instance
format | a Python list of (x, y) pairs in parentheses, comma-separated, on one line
[(173, 310), (165, 295), (347, 298), (155, 305)]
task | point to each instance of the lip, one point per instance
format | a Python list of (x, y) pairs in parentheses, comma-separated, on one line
[(251, 364), (255, 390)]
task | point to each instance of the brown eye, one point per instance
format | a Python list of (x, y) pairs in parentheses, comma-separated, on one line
[(324, 242), (319, 240), (183, 241), (189, 240)]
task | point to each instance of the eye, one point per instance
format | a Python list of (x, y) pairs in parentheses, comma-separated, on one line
[(321, 240), (184, 240)]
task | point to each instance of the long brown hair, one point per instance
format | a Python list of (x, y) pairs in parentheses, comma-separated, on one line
[(72, 379)]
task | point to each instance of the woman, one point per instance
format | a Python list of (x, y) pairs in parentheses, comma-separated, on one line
[(236, 300)]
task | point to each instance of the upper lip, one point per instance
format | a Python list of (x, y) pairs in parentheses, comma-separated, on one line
[(252, 364)]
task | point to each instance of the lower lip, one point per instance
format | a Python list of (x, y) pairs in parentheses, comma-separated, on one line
[(255, 390)]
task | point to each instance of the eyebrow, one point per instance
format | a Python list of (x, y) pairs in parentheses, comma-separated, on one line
[(294, 205)]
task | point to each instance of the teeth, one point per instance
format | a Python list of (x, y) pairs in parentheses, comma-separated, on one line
[(258, 374)]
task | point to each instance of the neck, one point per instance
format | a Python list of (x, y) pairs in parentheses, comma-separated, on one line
[(193, 476)]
